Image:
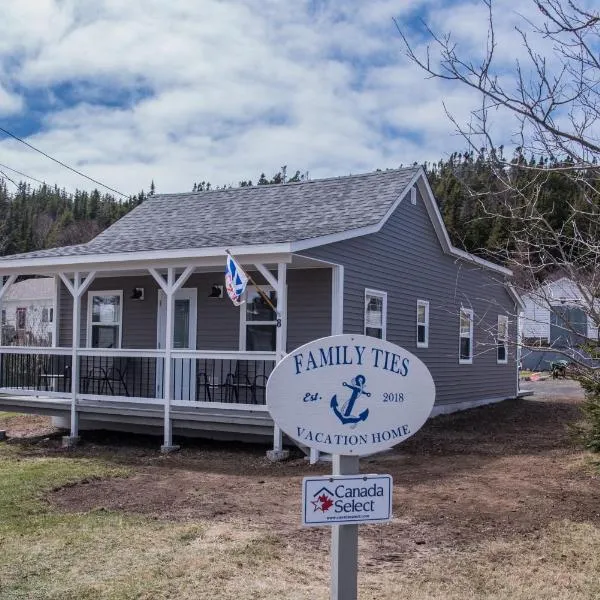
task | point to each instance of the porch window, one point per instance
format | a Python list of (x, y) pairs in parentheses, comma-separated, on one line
[(502, 340), (259, 320), (465, 355), (3, 321), (422, 324), (21, 318), (375, 313), (105, 314)]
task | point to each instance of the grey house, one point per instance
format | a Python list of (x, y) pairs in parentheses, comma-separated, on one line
[(158, 345)]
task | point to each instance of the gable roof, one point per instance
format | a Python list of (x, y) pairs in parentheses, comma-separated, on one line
[(259, 220), (39, 288), (247, 216)]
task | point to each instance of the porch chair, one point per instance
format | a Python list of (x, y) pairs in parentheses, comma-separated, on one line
[(106, 376), (52, 375), (238, 380)]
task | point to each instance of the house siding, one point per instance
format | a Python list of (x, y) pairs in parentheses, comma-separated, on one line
[(218, 323), (406, 260)]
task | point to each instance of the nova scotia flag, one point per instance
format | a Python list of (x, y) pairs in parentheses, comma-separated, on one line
[(235, 280)]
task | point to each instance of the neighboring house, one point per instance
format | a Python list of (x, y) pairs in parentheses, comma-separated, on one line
[(556, 316), (157, 344), (27, 313)]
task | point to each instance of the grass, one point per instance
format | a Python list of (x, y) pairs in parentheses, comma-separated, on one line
[(108, 555)]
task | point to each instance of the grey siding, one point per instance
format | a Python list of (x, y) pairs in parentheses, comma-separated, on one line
[(405, 259), (309, 310)]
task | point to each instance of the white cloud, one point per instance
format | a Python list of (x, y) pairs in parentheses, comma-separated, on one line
[(183, 90)]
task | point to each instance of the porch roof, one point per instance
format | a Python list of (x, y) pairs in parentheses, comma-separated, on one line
[(257, 216)]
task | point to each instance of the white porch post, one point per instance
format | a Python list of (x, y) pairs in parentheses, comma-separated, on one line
[(170, 288), (76, 289), (3, 289)]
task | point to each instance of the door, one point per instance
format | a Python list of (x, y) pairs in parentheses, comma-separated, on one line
[(184, 338)]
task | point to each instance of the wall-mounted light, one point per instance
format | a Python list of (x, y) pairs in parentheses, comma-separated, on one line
[(216, 291), (137, 293)]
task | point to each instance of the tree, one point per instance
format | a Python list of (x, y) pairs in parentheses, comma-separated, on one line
[(552, 202)]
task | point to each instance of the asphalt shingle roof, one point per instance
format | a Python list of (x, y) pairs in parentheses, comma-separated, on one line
[(267, 214)]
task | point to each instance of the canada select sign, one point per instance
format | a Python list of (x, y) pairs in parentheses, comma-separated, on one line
[(350, 394)]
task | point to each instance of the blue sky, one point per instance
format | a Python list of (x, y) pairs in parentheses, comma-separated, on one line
[(220, 90)]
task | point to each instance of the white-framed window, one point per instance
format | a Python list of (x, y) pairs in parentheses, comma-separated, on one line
[(502, 340), (375, 313), (45, 315), (21, 318), (465, 337), (258, 321), (422, 324), (3, 318), (105, 319)]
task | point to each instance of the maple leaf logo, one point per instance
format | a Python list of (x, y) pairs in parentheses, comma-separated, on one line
[(322, 503)]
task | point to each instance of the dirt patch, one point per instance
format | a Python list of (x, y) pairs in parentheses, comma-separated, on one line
[(498, 471), (23, 427)]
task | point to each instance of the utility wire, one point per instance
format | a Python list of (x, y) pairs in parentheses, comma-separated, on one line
[(9, 179), (62, 164), (22, 174)]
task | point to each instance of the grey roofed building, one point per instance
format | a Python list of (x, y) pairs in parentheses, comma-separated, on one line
[(248, 216), (362, 255)]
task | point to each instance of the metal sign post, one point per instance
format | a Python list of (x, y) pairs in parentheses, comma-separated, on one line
[(344, 543)]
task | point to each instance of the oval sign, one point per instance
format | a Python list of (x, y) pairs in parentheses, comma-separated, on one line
[(350, 394)]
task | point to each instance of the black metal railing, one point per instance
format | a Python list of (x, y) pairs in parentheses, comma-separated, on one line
[(129, 376), (36, 372), (234, 381)]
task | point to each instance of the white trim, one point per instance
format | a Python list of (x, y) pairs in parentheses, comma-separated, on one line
[(337, 300), (413, 195), (424, 303), (222, 405), (55, 307), (469, 312), (378, 294), (244, 323), (504, 341), (89, 323)]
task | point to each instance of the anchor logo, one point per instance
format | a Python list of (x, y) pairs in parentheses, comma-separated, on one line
[(345, 415)]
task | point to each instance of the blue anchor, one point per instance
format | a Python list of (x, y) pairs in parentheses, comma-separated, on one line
[(346, 417)]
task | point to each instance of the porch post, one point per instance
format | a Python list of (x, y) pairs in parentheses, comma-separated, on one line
[(3, 289), (170, 288), (76, 340), (278, 453), (76, 289), (167, 394)]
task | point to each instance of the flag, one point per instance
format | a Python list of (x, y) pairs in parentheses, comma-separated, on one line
[(235, 280)]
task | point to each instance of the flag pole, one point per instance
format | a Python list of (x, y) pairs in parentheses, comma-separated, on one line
[(258, 288)]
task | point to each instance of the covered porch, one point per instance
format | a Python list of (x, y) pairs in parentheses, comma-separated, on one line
[(159, 344)]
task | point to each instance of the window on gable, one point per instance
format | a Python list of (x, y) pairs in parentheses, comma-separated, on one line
[(259, 320), (375, 314), (104, 319), (465, 352), (422, 324), (502, 340)]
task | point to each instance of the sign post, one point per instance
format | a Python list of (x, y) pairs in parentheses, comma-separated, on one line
[(349, 396), (344, 542)]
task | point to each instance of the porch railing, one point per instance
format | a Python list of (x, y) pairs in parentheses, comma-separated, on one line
[(233, 378)]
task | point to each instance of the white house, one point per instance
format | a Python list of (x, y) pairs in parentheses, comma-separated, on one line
[(558, 315), (27, 313)]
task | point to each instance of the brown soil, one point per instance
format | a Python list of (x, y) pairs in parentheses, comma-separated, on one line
[(498, 471)]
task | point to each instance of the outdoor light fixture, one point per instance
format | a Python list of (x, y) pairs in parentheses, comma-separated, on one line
[(137, 293), (216, 292)]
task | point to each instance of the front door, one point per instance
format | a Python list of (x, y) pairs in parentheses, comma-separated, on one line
[(184, 338)]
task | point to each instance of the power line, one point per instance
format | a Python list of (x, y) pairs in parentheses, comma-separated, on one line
[(62, 164), (9, 179), (22, 174)]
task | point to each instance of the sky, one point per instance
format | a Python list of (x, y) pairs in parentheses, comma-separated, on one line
[(181, 91)]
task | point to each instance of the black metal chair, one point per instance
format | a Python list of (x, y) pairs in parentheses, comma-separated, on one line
[(108, 376)]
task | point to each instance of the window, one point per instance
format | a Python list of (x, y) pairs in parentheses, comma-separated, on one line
[(44, 315), (104, 317), (422, 324), (465, 352), (375, 313), (51, 315), (21, 318), (3, 318), (502, 340), (259, 321)]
